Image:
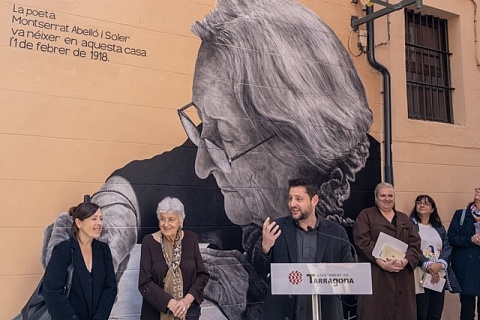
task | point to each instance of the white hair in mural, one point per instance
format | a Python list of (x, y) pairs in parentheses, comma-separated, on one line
[(292, 77)]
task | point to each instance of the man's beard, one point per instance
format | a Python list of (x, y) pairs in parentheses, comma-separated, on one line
[(301, 215)]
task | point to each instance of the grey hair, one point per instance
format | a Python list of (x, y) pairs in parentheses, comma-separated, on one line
[(293, 78), (171, 205), (383, 185)]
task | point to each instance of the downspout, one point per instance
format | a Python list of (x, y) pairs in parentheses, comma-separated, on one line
[(475, 32), (387, 99)]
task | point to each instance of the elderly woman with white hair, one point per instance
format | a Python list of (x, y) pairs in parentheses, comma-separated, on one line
[(172, 273)]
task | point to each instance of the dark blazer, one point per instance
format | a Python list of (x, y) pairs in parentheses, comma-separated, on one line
[(92, 295), (465, 257), (329, 250)]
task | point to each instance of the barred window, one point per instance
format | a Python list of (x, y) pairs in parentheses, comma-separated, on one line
[(429, 91)]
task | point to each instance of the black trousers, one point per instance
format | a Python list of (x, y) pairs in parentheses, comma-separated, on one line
[(467, 310), (430, 305)]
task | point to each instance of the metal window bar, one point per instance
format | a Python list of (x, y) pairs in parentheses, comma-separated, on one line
[(428, 68)]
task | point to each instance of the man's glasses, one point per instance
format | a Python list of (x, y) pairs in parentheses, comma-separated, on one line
[(218, 154), (420, 203)]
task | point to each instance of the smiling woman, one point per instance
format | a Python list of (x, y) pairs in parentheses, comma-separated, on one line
[(87, 227), (434, 261), (393, 279), (94, 287), (172, 274)]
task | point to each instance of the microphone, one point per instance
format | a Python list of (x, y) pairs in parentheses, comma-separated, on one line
[(355, 256)]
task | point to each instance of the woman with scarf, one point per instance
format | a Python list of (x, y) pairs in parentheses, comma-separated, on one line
[(172, 274), (464, 237)]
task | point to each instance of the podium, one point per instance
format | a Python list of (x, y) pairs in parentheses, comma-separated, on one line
[(320, 279)]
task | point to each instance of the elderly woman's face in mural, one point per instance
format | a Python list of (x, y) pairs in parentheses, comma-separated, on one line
[(254, 182)]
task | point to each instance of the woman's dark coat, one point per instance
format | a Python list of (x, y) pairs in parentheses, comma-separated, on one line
[(393, 292), (153, 270), (92, 294), (465, 257)]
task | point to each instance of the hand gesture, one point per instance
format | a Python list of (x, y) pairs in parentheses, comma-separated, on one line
[(270, 233)]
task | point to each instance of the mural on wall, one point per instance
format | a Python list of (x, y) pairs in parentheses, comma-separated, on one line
[(275, 96)]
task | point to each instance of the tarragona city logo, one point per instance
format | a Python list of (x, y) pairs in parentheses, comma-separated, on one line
[(295, 277), (334, 279)]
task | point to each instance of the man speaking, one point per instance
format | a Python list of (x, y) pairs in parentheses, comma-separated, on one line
[(303, 237)]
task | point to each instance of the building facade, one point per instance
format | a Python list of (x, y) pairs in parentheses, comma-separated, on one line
[(89, 87)]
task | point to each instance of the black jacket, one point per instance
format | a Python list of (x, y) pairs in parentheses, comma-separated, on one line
[(92, 294), (466, 254), (329, 250)]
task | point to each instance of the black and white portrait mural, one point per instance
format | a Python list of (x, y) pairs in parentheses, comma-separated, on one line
[(275, 96)]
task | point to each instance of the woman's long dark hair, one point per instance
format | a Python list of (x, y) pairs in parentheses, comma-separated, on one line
[(83, 211), (434, 220)]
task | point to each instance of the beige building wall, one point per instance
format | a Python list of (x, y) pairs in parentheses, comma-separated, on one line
[(431, 157), (69, 118)]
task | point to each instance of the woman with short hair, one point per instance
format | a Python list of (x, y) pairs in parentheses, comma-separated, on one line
[(393, 283), (172, 273)]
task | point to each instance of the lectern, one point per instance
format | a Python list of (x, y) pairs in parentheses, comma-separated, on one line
[(318, 279)]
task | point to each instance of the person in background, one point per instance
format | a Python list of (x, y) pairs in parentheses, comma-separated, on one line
[(94, 287), (303, 237), (464, 237), (436, 256), (172, 273), (392, 280)]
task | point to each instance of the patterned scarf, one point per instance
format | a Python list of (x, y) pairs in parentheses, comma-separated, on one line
[(173, 282), (475, 211)]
